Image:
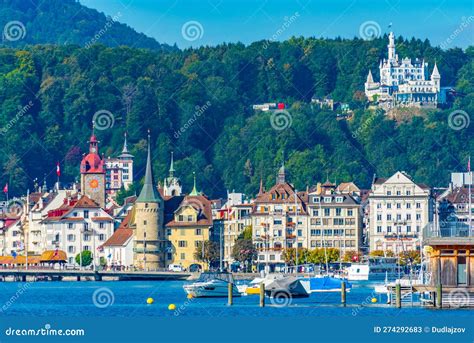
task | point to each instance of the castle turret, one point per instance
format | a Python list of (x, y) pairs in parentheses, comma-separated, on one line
[(149, 213), (436, 78), (391, 47)]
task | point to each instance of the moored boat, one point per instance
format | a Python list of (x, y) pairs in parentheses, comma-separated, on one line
[(212, 284)]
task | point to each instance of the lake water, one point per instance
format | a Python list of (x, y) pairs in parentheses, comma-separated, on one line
[(128, 299)]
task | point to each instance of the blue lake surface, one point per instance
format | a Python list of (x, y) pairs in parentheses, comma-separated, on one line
[(128, 299)]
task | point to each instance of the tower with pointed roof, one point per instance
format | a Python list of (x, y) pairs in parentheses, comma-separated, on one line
[(149, 215), (126, 163), (436, 78), (93, 173), (171, 184), (194, 191)]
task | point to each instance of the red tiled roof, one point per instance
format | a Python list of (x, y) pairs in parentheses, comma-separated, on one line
[(122, 234), (199, 202)]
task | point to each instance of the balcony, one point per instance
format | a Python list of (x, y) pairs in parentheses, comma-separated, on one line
[(448, 233), (146, 250)]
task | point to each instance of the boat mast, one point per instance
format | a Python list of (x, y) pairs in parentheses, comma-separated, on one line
[(296, 235)]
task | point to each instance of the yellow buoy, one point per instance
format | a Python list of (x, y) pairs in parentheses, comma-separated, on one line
[(150, 301), (374, 300), (171, 307), (189, 296)]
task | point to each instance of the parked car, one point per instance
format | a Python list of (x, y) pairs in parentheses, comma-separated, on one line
[(175, 268)]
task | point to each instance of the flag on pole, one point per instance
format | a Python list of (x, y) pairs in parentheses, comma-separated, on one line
[(469, 164), (58, 170), (5, 189)]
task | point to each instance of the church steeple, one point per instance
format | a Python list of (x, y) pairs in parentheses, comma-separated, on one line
[(194, 191), (370, 78), (171, 170), (149, 192)]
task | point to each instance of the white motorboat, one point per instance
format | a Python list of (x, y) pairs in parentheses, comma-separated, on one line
[(375, 269), (212, 284)]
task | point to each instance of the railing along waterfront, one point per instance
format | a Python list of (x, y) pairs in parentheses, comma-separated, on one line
[(448, 230)]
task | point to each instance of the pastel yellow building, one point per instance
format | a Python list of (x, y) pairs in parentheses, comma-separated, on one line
[(190, 226)]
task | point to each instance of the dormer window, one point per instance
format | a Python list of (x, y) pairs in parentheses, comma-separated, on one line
[(327, 199), (339, 199), (273, 196), (316, 199), (283, 196)]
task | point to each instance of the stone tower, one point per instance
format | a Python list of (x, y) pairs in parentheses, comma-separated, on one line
[(171, 184), (93, 173), (436, 78), (149, 212)]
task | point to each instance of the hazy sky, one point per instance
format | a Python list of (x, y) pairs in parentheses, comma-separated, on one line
[(444, 22)]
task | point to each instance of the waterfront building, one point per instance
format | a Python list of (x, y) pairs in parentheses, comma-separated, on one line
[(11, 240), (119, 170), (453, 206), (335, 217), (404, 82), (399, 209), (235, 218), (38, 206), (450, 248), (149, 240), (279, 221), (77, 225), (118, 249), (189, 224)]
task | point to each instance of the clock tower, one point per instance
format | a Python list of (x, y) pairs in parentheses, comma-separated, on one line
[(93, 173)]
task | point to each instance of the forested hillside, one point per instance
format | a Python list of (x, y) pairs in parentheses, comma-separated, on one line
[(198, 103), (62, 22)]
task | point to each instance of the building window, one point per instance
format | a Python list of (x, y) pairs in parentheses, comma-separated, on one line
[(327, 212), (389, 205), (71, 249), (408, 205), (349, 213), (86, 214), (86, 226), (86, 248), (70, 225), (198, 232), (190, 218), (379, 229), (101, 237), (168, 232), (182, 244), (338, 212), (316, 199), (71, 238), (101, 225), (87, 238), (144, 222), (180, 218), (183, 256), (418, 205)]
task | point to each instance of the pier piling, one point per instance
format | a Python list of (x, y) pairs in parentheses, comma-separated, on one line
[(343, 293), (439, 296), (262, 295), (398, 295), (230, 288)]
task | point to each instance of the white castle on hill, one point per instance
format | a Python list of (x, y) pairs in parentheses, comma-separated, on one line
[(404, 82)]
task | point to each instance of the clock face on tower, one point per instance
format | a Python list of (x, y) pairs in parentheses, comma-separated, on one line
[(93, 184)]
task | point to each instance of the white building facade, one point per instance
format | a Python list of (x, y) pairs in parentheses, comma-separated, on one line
[(399, 210)]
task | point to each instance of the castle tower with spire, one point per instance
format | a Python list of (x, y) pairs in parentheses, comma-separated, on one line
[(149, 216), (171, 184), (93, 173), (404, 82)]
